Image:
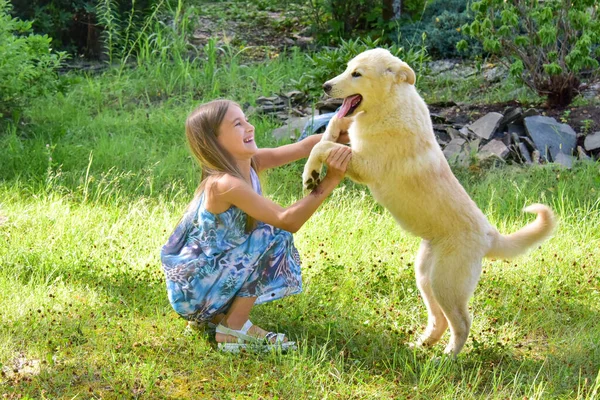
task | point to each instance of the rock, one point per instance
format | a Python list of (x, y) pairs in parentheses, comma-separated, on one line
[(550, 137), (511, 117), (329, 104), (494, 74), (436, 67), (485, 126), (496, 148), (292, 129), (581, 154), (592, 142), (455, 151), (564, 160), (531, 112), (536, 157), (453, 132), (516, 129), (524, 153)]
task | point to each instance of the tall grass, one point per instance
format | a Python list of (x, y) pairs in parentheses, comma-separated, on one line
[(95, 179)]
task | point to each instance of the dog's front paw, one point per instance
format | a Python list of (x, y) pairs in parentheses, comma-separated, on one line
[(311, 177), (311, 181)]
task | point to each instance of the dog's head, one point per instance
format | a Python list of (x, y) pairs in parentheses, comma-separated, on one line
[(369, 76)]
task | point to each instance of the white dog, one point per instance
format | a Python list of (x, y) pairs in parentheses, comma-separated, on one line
[(395, 153)]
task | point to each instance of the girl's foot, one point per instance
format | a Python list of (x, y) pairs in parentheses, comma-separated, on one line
[(254, 331)]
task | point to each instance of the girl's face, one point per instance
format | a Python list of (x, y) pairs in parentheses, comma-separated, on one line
[(236, 134)]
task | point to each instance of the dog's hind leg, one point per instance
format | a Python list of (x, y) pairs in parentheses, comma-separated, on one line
[(453, 280), (436, 321)]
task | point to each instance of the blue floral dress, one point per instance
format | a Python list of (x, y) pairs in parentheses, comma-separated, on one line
[(209, 259)]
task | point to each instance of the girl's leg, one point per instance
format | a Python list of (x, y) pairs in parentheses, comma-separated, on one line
[(236, 317)]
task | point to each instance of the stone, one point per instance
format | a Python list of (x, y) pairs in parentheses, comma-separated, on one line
[(581, 154), (454, 151), (511, 117), (524, 153), (564, 160), (550, 137), (516, 129), (592, 142), (453, 132), (485, 126), (536, 157), (292, 129), (495, 147), (494, 74)]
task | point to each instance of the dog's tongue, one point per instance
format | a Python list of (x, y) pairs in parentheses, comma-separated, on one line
[(346, 106)]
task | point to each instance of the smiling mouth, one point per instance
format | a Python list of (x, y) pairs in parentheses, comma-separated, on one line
[(349, 105), (248, 140)]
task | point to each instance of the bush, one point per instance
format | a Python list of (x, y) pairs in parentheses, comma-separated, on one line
[(78, 26), (332, 20), (547, 45), (442, 21), (28, 65)]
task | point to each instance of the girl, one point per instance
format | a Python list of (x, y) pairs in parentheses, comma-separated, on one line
[(233, 247)]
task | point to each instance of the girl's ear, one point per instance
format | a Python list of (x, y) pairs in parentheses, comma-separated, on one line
[(402, 72)]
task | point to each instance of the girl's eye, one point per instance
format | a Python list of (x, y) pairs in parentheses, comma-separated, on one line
[(356, 74)]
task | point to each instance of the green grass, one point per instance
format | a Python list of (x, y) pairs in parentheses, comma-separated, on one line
[(93, 180)]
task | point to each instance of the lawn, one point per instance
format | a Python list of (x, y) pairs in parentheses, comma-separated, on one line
[(92, 181)]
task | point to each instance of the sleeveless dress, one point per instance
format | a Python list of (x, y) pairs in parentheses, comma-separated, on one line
[(209, 259)]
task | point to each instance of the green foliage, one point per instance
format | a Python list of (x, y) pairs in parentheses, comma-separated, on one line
[(80, 26), (442, 21), (332, 20), (549, 45), (329, 62), (27, 65)]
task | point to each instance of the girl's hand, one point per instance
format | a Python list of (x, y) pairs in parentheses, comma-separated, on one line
[(337, 162)]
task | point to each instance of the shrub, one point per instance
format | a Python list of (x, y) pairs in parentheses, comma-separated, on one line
[(28, 65), (547, 45), (442, 22), (78, 26)]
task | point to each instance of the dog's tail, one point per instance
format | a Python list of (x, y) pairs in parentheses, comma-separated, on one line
[(514, 244)]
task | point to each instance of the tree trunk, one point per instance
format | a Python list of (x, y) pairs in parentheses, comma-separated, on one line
[(392, 9)]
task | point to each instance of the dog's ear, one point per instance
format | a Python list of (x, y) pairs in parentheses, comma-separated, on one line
[(402, 72)]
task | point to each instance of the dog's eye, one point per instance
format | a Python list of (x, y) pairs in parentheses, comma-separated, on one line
[(356, 74)]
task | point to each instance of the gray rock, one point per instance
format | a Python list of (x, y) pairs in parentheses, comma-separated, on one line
[(564, 160), (550, 137), (536, 157), (516, 129), (592, 142), (511, 117), (292, 129), (495, 147), (524, 154), (531, 112), (436, 67), (485, 126), (581, 154), (494, 74), (453, 132), (455, 151)]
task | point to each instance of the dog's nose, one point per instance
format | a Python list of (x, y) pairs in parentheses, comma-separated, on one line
[(327, 87)]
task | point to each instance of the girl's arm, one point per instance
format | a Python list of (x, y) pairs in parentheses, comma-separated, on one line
[(230, 190), (276, 156)]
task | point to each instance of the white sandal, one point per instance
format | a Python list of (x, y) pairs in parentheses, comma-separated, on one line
[(248, 342)]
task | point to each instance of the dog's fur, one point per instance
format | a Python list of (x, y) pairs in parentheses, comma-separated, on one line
[(395, 153)]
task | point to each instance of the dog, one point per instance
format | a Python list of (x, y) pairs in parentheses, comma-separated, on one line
[(395, 153)]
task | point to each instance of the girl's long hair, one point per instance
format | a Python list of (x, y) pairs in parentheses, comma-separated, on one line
[(202, 129)]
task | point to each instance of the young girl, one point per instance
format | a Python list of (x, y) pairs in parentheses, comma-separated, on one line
[(233, 247)]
